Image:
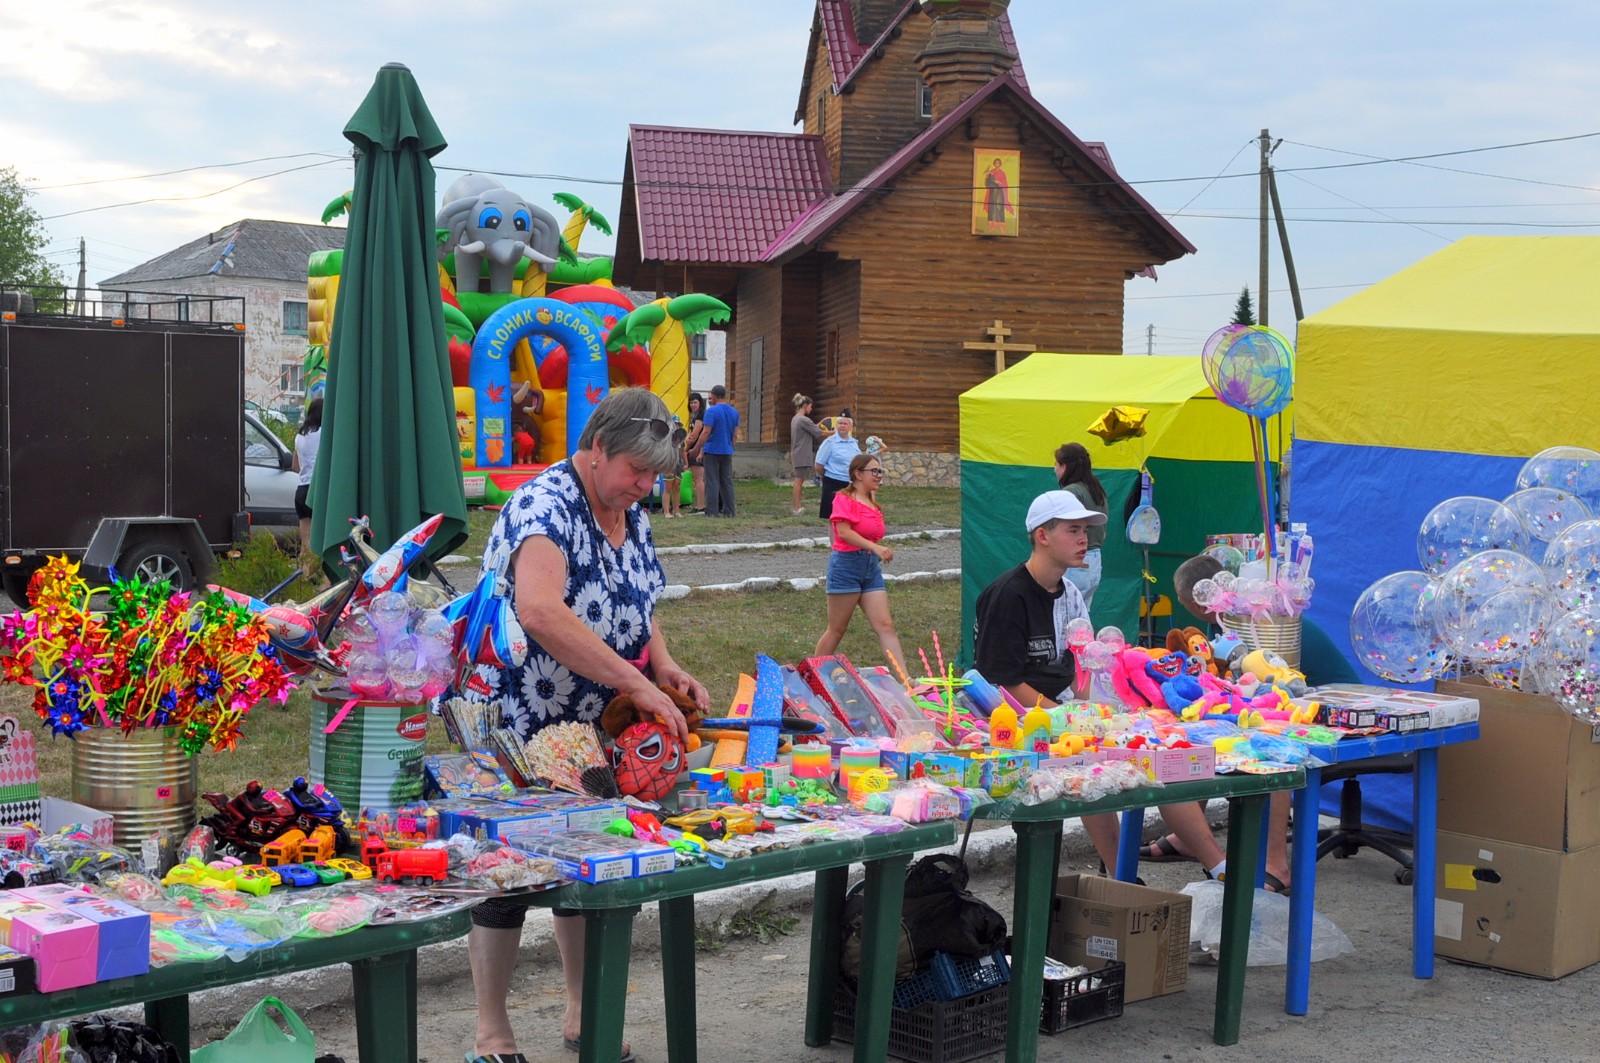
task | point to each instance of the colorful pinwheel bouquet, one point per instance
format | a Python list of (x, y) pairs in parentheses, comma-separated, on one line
[(153, 658)]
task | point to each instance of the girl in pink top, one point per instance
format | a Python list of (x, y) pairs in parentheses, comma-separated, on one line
[(855, 567)]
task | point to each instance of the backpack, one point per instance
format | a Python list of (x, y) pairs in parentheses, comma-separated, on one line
[(939, 916)]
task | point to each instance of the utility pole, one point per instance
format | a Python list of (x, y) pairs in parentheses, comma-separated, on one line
[(1283, 242), (1150, 339), (83, 275), (1261, 284)]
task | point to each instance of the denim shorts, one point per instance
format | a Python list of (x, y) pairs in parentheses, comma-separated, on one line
[(854, 572)]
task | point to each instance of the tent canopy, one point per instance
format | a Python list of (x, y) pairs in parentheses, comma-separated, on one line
[(1197, 450), (1439, 381)]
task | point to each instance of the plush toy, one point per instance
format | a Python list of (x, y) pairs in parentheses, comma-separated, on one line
[(1273, 670), (1128, 678), (646, 758), (1192, 641)]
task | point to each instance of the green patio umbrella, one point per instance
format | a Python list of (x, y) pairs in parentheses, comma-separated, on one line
[(388, 422)]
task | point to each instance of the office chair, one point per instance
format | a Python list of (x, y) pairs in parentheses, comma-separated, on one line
[(1350, 836)]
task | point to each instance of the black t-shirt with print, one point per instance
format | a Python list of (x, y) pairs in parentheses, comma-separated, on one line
[(1014, 635)]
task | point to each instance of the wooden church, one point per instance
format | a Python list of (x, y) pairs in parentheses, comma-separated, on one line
[(931, 211)]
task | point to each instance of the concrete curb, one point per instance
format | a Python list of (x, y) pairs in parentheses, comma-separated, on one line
[(808, 543), (800, 583)]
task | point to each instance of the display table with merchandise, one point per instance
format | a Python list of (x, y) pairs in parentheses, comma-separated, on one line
[(609, 909), (382, 959), (1425, 817), (1038, 861)]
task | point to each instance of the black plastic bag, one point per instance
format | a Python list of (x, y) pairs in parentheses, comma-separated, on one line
[(939, 916)]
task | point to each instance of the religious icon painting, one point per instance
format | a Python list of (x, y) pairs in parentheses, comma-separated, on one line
[(996, 175)]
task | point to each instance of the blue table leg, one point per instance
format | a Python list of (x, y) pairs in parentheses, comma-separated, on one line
[(1128, 839), (1424, 853), (1261, 864), (1303, 897)]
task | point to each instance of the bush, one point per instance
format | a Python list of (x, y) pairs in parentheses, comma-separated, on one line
[(266, 561)]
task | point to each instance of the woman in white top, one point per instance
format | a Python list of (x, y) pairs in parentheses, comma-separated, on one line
[(306, 442)]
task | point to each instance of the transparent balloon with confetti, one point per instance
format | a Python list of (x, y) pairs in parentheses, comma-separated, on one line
[(1570, 668), (1575, 470), (1546, 512), (1458, 528), (1392, 631), (1463, 610), (1572, 565)]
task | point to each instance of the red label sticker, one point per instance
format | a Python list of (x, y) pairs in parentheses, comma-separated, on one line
[(163, 793), (413, 728)]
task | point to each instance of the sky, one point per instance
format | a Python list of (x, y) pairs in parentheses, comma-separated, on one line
[(143, 124)]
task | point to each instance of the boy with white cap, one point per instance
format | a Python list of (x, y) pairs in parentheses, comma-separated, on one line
[(1019, 642)]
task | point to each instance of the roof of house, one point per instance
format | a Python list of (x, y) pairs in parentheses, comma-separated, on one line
[(833, 28), (828, 211), (711, 195), (252, 247)]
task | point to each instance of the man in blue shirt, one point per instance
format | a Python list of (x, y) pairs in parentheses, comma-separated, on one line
[(717, 451)]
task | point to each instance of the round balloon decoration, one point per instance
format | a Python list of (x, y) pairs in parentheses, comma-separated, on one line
[(1575, 470), (1547, 511), (1459, 527), (1572, 565), (1570, 665), (1251, 368), (1392, 630), (1462, 608)]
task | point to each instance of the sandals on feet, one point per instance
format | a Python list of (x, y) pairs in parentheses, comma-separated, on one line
[(498, 1057), (573, 1044), (1269, 882), (1163, 851)]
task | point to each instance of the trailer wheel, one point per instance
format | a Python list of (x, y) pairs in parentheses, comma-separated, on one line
[(15, 581), (157, 560)]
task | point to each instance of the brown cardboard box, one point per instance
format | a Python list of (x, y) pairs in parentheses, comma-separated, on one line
[(1147, 929), (1516, 908), (1532, 778)]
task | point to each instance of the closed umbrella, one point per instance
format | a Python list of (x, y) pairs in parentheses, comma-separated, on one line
[(388, 422)]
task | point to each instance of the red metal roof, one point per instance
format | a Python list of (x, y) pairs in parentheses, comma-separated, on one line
[(823, 215), (711, 195), (846, 53)]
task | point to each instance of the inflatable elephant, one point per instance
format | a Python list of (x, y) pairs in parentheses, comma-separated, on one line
[(487, 220)]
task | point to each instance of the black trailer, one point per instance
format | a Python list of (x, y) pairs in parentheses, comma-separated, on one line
[(121, 423)]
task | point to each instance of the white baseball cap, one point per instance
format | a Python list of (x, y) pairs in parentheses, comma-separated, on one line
[(1060, 505)]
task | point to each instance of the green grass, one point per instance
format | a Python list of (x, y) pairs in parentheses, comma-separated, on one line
[(715, 636), (764, 505)]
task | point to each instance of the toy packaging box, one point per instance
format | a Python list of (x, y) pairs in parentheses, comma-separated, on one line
[(584, 857), (16, 973), (123, 949), (1096, 918), (63, 944)]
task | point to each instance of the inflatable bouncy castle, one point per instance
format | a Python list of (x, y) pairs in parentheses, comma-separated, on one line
[(537, 337)]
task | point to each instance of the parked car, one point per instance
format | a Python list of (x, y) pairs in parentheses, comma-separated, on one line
[(269, 477)]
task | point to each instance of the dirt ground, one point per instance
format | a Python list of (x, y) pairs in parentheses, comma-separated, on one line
[(1363, 1006)]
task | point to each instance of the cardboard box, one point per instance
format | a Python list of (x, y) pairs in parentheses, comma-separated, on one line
[(1516, 908), (1147, 929), (16, 973), (63, 944), (123, 949), (1532, 778)]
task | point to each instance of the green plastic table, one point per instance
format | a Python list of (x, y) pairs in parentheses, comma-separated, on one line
[(609, 909), (1038, 830), (383, 961)]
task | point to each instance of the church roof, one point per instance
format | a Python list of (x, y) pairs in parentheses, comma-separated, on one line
[(712, 195)]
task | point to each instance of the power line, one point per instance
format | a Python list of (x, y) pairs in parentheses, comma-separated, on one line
[(186, 169), (1234, 295), (184, 199)]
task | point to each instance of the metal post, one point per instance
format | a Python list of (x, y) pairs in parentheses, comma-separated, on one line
[(1264, 250)]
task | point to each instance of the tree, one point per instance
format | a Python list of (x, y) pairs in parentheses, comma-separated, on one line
[(1243, 312), (22, 238)]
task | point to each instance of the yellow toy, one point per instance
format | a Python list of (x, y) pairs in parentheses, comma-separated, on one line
[(354, 868), (320, 846), (285, 850), (1003, 727), (1034, 733)]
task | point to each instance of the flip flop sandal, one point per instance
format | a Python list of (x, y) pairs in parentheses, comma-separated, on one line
[(1165, 852), (573, 1044), (498, 1057), (1269, 882)]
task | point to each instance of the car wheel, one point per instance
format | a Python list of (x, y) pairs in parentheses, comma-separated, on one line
[(157, 560), (15, 581)]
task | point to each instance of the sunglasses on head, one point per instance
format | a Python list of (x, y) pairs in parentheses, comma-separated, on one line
[(660, 429)]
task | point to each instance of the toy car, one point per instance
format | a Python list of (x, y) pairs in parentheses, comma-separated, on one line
[(255, 880), (321, 845), (193, 873), (355, 869), (414, 865), (298, 875), (372, 847), (326, 873)]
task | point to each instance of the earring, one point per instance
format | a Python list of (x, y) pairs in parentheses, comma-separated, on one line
[(595, 463)]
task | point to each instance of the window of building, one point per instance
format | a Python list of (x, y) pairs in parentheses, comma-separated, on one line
[(291, 378), (697, 348), (294, 317), (924, 99), (183, 308), (830, 358)]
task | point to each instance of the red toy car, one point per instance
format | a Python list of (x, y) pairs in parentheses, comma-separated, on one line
[(413, 865)]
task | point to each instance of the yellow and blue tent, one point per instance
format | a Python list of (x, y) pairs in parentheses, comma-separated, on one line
[(1197, 450), (1439, 381)]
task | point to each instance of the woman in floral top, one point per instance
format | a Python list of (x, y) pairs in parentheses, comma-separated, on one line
[(855, 568), (575, 549)]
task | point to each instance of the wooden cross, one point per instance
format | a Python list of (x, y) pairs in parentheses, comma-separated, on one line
[(997, 334)]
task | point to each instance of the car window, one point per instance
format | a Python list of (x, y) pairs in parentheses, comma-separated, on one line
[(258, 449)]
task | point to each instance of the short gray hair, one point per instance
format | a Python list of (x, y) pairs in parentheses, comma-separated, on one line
[(621, 421)]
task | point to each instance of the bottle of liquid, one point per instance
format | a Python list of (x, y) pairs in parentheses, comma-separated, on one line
[(1035, 736), (1003, 727)]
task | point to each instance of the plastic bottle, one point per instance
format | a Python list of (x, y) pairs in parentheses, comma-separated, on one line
[(1003, 727), (1035, 733)]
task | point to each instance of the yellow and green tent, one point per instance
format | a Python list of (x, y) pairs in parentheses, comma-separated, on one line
[(1197, 450)]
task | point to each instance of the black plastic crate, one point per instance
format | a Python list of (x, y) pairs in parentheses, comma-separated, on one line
[(1083, 998), (940, 1031)]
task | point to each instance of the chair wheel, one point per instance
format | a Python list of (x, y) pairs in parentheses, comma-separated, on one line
[(1404, 875)]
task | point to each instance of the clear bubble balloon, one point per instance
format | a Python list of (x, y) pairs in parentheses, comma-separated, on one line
[(1507, 626), (407, 670), (1570, 668), (1097, 656), (1079, 632), (1467, 587), (1229, 557), (358, 630), (1205, 592), (1457, 528), (1112, 636), (430, 626), (1547, 511), (1225, 580), (1575, 470), (367, 673), (1392, 632), (1572, 565), (389, 612)]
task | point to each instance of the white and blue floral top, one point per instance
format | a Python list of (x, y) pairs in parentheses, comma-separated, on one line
[(613, 590)]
